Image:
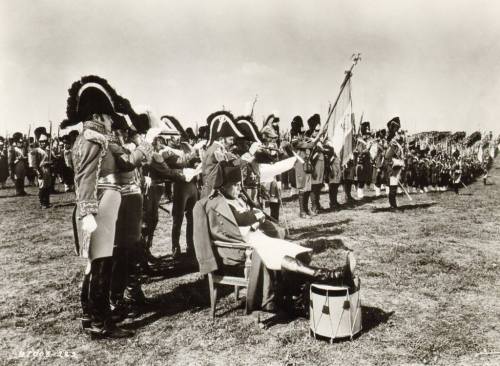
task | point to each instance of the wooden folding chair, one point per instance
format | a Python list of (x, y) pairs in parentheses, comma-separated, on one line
[(215, 279)]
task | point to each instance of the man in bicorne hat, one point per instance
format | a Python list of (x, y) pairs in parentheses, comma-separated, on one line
[(97, 156), (222, 132), (226, 226)]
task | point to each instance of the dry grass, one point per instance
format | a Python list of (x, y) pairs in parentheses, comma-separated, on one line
[(430, 291)]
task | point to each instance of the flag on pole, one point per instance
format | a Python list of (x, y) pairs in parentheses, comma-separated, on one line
[(340, 131)]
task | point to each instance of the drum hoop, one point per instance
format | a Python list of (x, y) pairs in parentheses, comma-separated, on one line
[(334, 291)]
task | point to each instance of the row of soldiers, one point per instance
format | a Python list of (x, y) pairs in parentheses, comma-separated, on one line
[(40, 160), (124, 155)]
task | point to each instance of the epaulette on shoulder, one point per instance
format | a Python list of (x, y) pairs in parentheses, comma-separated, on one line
[(94, 136)]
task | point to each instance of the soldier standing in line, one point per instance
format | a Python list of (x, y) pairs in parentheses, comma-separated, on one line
[(318, 164), (301, 174), (393, 160), (41, 163), (4, 163), (18, 163), (185, 192)]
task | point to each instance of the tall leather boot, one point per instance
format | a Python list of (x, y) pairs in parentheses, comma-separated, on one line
[(84, 300), (302, 213), (275, 210), (340, 276), (306, 204)]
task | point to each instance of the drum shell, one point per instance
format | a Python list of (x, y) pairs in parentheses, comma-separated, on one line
[(335, 312)]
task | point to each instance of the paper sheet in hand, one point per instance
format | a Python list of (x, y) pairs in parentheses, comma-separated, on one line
[(269, 171)]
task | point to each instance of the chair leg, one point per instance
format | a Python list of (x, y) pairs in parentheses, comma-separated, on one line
[(236, 293), (213, 294)]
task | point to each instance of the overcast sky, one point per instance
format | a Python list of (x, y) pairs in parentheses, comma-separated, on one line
[(436, 64)]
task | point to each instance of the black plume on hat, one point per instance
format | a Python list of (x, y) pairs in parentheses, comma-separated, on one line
[(203, 132), (394, 124), (221, 124), (190, 133), (313, 122), (93, 94), (39, 131), (270, 119), (17, 136), (296, 125), (175, 122), (365, 128), (248, 128)]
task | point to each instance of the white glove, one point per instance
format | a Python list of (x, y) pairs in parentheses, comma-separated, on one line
[(253, 149), (259, 215), (147, 183), (189, 174), (88, 224), (247, 157), (152, 133)]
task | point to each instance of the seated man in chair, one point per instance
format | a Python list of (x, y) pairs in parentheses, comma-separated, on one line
[(225, 227)]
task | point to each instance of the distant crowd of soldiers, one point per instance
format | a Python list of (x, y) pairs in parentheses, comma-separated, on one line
[(42, 161)]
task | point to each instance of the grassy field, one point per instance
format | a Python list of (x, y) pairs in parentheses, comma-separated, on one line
[(430, 290)]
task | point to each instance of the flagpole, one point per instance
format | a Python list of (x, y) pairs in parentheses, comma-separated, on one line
[(355, 59)]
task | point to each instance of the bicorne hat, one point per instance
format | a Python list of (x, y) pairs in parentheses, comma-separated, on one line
[(221, 124)]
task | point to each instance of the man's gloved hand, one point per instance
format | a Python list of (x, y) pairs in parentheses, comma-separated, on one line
[(88, 224), (147, 183), (254, 147)]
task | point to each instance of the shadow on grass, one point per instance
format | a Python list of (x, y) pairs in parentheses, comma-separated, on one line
[(404, 207), (320, 245), (318, 230), (372, 317), (192, 296), (169, 268)]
